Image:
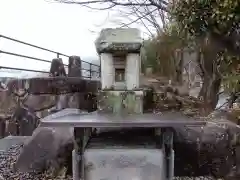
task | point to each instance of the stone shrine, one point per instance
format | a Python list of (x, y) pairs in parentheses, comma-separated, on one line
[(119, 52)]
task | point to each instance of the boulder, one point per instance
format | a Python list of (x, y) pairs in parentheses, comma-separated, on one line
[(25, 120), (48, 148), (207, 150)]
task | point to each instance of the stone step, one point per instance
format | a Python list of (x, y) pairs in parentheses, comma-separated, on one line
[(10, 141)]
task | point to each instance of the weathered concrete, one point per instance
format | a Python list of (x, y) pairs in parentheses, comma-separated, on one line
[(107, 73), (120, 102), (124, 164), (119, 39), (57, 68), (119, 51), (133, 70)]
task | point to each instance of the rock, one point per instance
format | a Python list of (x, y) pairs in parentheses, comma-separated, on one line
[(8, 102), (26, 121), (74, 99), (1, 177), (48, 147), (39, 102), (62, 102), (182, 90), (3, 86), (74, 66), (57, 68), (234, 115), (210, 146), (8, 159)]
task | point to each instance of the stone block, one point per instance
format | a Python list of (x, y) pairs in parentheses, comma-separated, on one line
[(57, 68), (74, 66), (120, 102), (119, 39)]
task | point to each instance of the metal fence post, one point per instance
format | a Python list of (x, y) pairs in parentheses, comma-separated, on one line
[(58, 54), (90, 70), (99, 71)]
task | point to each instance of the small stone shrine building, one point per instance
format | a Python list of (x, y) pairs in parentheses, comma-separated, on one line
[(119, 52)]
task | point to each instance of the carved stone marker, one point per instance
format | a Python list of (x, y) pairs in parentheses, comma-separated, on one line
[(57, 68), (74, 66), (119, 51)]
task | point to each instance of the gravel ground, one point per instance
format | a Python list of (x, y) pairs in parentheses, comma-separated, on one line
[(7, 159)]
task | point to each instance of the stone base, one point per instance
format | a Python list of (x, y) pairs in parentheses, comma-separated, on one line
[(122, 164), (120, 102)]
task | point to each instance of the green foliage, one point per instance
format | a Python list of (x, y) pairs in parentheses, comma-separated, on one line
[(219, 20), (150, 55), (201, 17), (231, 75)]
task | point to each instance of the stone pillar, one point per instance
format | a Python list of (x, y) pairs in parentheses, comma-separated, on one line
[(74, 66), (132, 70), (57, 68), (107, 70)]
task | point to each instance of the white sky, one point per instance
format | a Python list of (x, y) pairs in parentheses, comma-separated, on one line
[(64, 28), (60, 27)]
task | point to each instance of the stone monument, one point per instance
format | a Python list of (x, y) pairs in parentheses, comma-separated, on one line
[(119, 52)]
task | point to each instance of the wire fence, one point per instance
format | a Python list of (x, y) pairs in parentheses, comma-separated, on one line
[(92, 71)]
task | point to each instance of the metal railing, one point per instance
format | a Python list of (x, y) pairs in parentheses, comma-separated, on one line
[(58, 54)]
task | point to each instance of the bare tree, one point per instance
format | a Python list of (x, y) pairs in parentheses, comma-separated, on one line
[(108, 4), (152, 19), (151, 14)]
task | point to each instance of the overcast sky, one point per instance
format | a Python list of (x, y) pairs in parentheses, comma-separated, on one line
[(64, 28), (69, 29)]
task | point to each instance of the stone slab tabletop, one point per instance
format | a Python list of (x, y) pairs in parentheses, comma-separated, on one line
[(76, 118)]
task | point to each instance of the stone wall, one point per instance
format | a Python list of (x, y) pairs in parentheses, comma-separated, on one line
[(25, 101)]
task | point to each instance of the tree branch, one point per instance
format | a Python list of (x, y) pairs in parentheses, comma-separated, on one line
[(161, 4), (139, 18)]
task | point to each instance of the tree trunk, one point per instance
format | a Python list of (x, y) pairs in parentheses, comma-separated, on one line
[(209, 92), (207, 60), (179, 67)]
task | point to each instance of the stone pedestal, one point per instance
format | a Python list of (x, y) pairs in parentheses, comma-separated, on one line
[(107, 71), (120, 102), (132, 70), (119, 51)]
